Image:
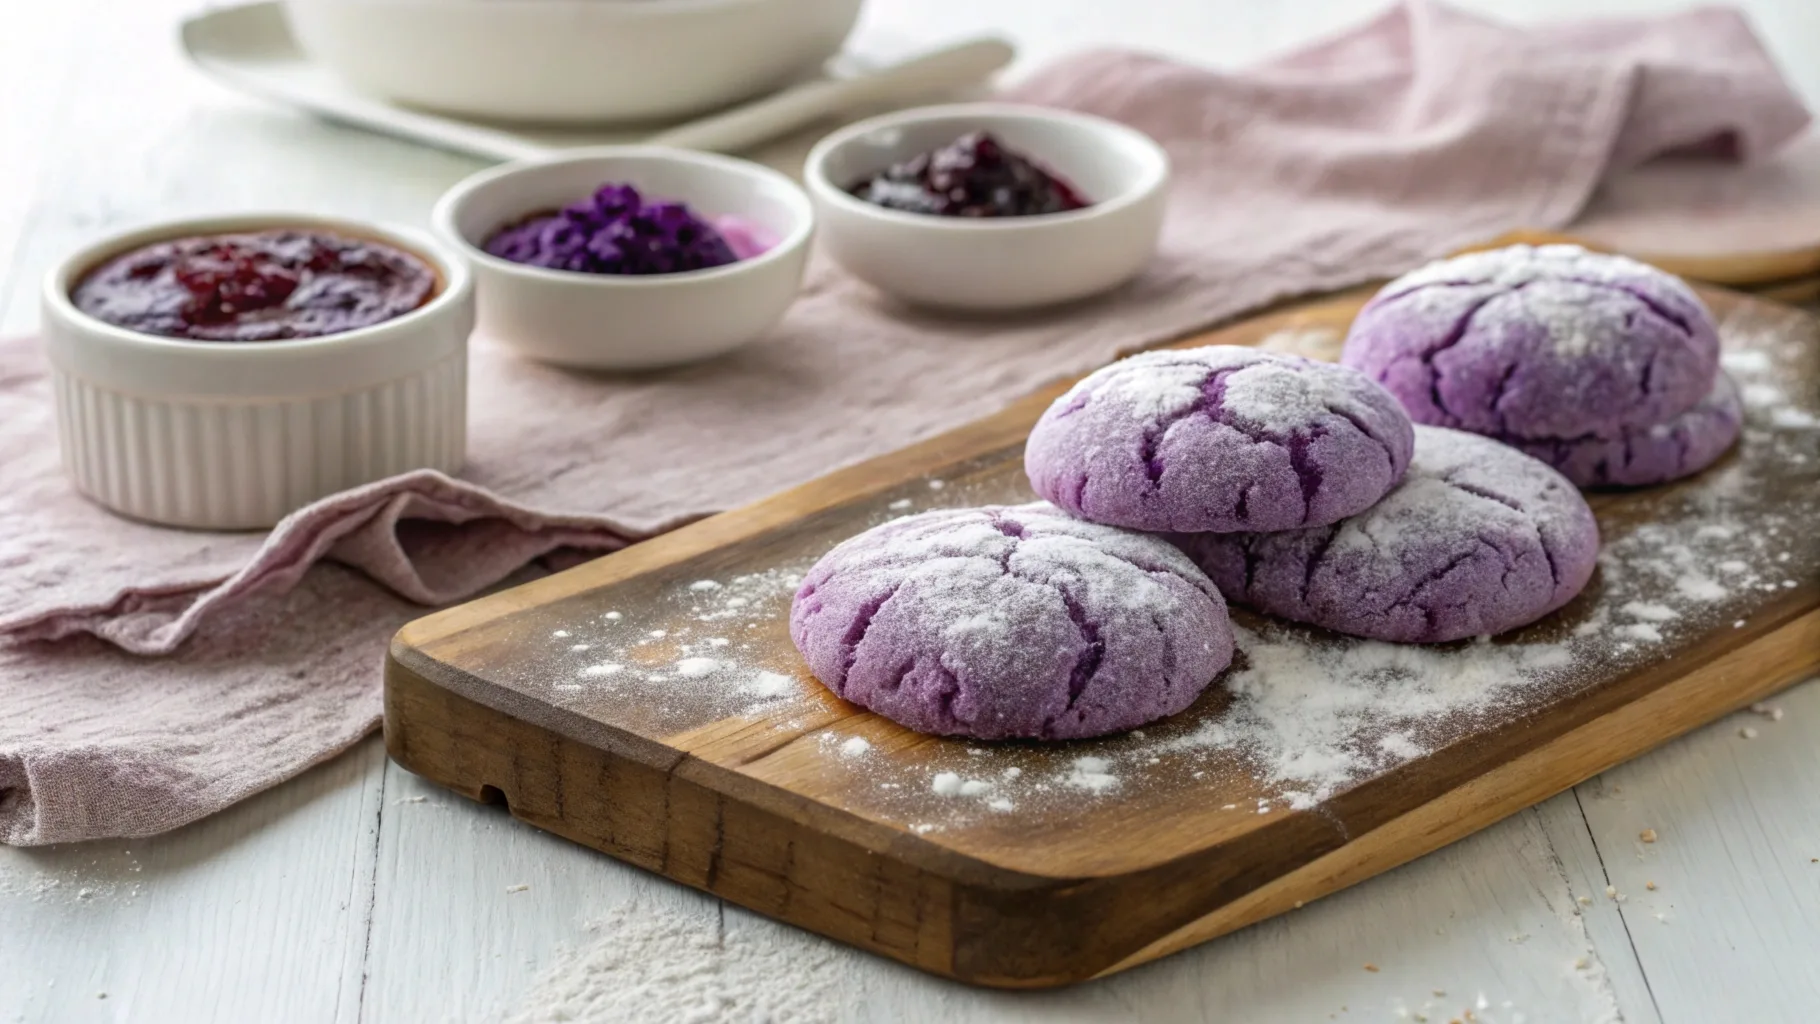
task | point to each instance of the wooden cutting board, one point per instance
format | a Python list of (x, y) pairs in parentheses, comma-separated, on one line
[(650, 705)]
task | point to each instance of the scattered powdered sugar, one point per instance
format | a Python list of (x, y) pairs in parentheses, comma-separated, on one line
[(696, 668), (1302, 715), (1746, 361), (1642, 631), (1789, 416), (1649, 611), (1699, 587), (769, 684), (1315, 716), (1400, 746), (697, 660), (1092, 774), (649, 963)]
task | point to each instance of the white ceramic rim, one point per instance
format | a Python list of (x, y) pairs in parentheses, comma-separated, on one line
[(456, 283), (444, 216), (815, 174)]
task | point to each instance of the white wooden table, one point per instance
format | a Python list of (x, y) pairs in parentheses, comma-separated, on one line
[(359, 892)]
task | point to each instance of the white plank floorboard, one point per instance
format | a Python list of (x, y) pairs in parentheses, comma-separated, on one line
[(1732, 930), (338, 897), (453, 938), (255, 914)]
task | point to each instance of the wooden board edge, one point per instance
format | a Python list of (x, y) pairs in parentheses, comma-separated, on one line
[(1726, 684), (1733, 269)]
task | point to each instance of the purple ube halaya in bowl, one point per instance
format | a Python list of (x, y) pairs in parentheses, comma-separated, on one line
[(618, 231)]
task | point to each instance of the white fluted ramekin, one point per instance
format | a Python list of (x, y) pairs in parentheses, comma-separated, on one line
[(227, 436)]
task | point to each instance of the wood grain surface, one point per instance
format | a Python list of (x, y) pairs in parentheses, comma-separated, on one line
[(757, 801)]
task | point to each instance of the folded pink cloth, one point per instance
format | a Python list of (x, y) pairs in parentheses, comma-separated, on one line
[(154, 676)]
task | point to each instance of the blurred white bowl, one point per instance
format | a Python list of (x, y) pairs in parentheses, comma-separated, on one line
[(994, 263), (593, 61), (236, 435), (630, 322)]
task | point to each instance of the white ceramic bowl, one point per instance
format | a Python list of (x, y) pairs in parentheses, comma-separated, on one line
[(1004, 263), (611, 322), (570, 60), (217, 435)]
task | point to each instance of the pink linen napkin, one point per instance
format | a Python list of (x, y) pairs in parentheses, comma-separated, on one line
[(153, 676)]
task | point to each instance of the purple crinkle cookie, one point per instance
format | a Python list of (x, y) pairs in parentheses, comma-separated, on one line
[(1007, 622), (1477, 539), (1538, 343), (1641, 456), (1220, 438)]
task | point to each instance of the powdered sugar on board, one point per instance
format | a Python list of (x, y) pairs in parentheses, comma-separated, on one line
[(1302, 716)]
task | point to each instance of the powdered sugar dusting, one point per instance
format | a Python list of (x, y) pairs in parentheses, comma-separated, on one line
[(649, 962), (1149, 386), (1302, 715)]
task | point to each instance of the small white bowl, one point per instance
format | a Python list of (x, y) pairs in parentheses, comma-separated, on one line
[(994, 263), (630, 322), (236, 435), (570, 60)]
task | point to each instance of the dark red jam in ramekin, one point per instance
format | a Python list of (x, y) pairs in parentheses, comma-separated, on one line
[(269, 285)]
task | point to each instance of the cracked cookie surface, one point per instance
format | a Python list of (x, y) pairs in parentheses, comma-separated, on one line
[(1478, 539), (1222, 438), (1011, 622), (1538, 344), (1641, 456)]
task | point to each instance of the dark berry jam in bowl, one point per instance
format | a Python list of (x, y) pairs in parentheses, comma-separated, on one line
[(987, 206), (629, 257), (222, 372), (273, 284), (976, 175)]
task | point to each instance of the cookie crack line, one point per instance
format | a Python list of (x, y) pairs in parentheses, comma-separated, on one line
[(1412, 597), (1315, 558), (1448, 341), (1087, 663), (1647, 301), (1155, 432), (1482, 492), (862, 625)]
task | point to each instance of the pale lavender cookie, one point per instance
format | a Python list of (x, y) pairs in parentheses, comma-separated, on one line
[(1008, 622), (1641, 456), (1477, 539), (1538, 344), (1221, 438)]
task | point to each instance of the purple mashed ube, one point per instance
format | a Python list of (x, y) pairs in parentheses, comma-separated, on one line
[(1011, 622), (615, 231), (1550, 343), (1222, 438), (1478, 539), (1642, 456)]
